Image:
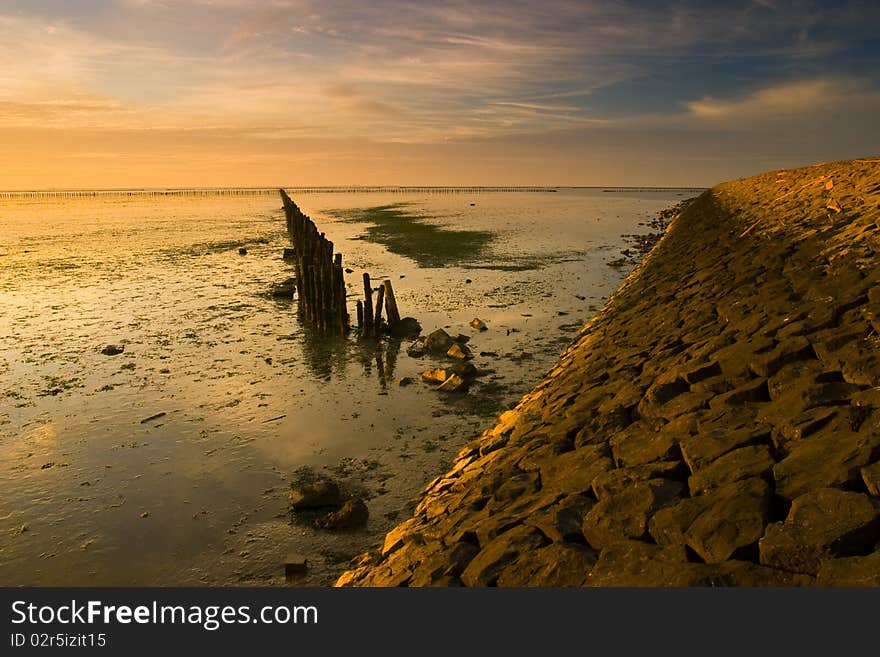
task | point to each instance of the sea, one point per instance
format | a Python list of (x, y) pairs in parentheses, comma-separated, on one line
[(170, 463)]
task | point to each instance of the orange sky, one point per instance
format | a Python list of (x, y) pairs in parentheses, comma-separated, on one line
[(145, 93)]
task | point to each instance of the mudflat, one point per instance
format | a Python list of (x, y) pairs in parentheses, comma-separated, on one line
[(717, 423)]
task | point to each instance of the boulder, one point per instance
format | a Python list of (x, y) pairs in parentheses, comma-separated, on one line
[(295, 564), (113, 349), (502, 551), (718, 524), (284, 289), (353, 514), (479, 324), (453, 384), (405, 327), (438, 342), (850, 571), (314, 494), (417, 349), (742, 463), (459, 352), (871, 477), (625, 515), (435, 376), (242, 251), (821, 525), (828, 458), (704, 447)]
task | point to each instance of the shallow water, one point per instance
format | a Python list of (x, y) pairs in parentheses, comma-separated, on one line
[(96, 493)]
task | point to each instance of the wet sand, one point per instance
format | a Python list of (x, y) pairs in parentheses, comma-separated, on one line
[(170, 463)]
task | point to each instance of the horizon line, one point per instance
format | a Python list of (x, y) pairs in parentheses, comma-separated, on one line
[(258, 189)]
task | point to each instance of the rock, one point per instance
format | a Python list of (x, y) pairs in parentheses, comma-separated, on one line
[(113, 349), (718, 524), (459, 352), (634, 563), (405, 327), (314, 494), (284, 289), (704, 447), (485, 568), (821, 525), (461, 338), (562, 521), (625, 515), (289, 253), (742, 463), (417, 349), (353, 514), (295, 564), (349, 270), (405, 381), (439, 342), (871, 477), (828, 458), (453, 384), (479, 324), (616, 480), (555, 565), (435, 376), (464, 369), (242, 251), (639, 444), (733, 523), (850, 571)]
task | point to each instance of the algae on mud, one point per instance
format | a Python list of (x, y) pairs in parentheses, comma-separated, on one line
[(412, 235)]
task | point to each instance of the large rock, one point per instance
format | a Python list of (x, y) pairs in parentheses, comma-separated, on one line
[(719, 524), (871, 477), (314, 494), (615, 481), (405, 327), (850, 571), (554, 565), (505, 549), (439, 342), (829, 458), (625, 515), (742, 463), (459, 352), (704, 447), (821, 525), (638, 444), (353, 514)]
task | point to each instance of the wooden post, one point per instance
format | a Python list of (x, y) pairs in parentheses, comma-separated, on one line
[(360, 312), (320, 281), (391, 304), (368, 305), (377, 316)]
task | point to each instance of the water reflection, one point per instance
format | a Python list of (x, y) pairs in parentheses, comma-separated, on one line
[(379, 355), (324, 355)]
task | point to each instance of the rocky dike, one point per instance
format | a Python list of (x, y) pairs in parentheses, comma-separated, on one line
[(716, 424)]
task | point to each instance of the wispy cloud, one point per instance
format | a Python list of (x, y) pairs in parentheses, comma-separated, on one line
[(801, 98)]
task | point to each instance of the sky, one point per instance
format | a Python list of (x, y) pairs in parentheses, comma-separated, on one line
[(180, 93)]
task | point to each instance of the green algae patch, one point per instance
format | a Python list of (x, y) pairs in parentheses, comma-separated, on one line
[(417, 236)]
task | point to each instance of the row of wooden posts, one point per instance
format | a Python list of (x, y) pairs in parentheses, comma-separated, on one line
[(320, 282)]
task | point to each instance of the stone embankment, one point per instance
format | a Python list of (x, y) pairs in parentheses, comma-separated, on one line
[(718, 423)]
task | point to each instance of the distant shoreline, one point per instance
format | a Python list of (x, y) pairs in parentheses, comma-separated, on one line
[(340, 189)]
